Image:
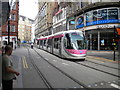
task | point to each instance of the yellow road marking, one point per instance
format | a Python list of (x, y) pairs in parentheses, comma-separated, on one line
[(102, 59), (23, 62), (25, 65)]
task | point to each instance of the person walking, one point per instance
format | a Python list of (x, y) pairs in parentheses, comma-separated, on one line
[(8, 73), (32, 45)]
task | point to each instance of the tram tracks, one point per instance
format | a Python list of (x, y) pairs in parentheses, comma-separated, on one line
[(39, 72), (103, 65), (77, 81), (64, 73), (97, 68)]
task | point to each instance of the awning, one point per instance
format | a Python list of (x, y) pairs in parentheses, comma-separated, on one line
[(58, 12)]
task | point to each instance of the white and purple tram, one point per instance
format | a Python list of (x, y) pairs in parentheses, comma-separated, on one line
[(66, 44)]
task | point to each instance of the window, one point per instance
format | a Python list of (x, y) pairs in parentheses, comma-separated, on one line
[(14, 6), (101, 14), (13, 17), (89, 17), (113, 13), (49, 42), (78, 41), (13, 28), (67, 42), (56, 41), (7, 28), (44, 42)]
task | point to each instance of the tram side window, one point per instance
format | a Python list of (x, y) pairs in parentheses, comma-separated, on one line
[(67, 42), (49, 42), (37, 42), (41, 42), (44, 42), (56, 43)]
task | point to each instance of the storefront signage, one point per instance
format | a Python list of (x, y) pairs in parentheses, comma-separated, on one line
[(80, 22), (103, 22), (100, 16), (105, 26)]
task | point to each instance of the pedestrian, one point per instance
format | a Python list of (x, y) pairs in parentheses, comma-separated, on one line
[(31, 45), (8, 73), (19, 44), (2, 49)]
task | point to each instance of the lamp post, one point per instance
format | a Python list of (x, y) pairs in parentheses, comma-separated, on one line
[(114, 44), (9, 31), (9, 22)]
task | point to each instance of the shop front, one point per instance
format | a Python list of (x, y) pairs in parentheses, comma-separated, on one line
[(100, 39), (99, 25)]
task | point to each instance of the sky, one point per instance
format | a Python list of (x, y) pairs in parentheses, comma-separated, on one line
[(28, 8)]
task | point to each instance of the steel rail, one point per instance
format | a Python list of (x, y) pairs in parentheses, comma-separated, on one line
[(39, 72), (75, 80), (103, 65), (98, 69)]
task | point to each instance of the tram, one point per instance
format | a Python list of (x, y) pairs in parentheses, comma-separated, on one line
[(66, 44)]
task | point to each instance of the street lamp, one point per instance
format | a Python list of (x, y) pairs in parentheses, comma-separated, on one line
[(9, 31)]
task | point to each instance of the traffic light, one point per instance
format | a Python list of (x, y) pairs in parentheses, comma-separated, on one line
[(116, 33)]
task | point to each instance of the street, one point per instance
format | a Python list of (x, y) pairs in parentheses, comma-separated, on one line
[(61, 45), (40, 69)]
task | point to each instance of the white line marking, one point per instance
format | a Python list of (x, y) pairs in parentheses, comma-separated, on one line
[(25, 65), (64, 63), (115, 86), (46, 58), (54, 60), (37, 57)]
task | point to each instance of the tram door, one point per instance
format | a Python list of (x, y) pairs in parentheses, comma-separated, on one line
[(59, 46), (52, 45)]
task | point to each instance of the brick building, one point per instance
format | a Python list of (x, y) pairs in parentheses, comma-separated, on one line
[(13, 22)]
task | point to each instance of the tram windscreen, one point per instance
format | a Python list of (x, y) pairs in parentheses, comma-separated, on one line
[(78, 41)]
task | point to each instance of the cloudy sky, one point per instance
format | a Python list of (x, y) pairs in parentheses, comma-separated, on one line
[(28, 8)]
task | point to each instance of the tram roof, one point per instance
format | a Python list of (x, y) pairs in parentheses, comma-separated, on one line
[(59, 33), (63, 32)]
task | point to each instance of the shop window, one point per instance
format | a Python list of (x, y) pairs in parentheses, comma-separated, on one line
[(71, 24), (95, 41)]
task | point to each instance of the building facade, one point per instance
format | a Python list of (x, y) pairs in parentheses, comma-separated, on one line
[(97, 21), (59, 18), (25, 29), (12, 31), (96, 18), (4, 15), (43, 21)]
